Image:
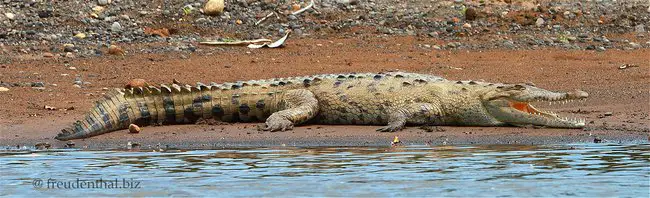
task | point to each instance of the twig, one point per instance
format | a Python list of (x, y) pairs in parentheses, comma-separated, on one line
[(235, 42), (264, 18)]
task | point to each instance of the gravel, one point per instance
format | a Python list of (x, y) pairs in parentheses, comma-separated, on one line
[(89, 24)]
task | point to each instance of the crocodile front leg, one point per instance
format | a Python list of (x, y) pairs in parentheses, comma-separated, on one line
[(416, 113), (300, 105)]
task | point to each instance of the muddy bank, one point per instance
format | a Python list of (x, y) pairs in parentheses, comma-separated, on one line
[(617, 109)]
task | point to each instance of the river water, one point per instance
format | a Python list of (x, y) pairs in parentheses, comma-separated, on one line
[(585, 170)]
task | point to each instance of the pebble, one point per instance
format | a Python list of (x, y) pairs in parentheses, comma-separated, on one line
[(80, 35), (597, 140), (295, 7), (467, 25), (116, 27), (3, 89), (600, 49), (77, 86), (103, 2), (608, 113), (471, 14), (213, 7), (10, 16), (539, 22), (639, 28), (48, 55), (116, 50), (635, 45), (134, 128)]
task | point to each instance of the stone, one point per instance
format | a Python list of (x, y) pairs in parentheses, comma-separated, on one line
[(3, 89), (213, 7), (10, 16), (103, 2), (540, 22), (116, 27), (134, 128), (295, 7), (467, 25), (48, 55), (116, 50), (471, 14), (600, 49), (635, 45), (639, 28)]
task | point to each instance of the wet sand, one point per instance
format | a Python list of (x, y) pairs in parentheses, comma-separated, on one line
[(623, 92)]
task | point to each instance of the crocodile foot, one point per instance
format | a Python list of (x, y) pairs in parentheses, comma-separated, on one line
[(391, 128), (276, 123)]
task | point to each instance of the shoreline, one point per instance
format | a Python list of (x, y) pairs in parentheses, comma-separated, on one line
[(616, 110)]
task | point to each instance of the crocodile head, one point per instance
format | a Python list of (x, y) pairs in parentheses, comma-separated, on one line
[(511, 104)]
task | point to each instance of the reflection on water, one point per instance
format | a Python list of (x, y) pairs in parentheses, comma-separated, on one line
[(502, 170)]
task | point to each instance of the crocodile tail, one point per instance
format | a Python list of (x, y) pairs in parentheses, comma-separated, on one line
[(116, 110)]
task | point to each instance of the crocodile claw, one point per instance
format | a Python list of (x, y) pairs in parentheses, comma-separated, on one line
[(278, 124), (390, 128)]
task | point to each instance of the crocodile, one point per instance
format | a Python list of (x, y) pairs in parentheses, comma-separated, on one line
[(389, 99)]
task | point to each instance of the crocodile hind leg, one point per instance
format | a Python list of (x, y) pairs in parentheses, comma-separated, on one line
[(416, 113), (299, 106)]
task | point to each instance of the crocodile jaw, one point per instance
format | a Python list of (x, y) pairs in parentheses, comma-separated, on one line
[(519, 112)]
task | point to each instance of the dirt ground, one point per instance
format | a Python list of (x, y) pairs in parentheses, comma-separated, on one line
[(617, 110)]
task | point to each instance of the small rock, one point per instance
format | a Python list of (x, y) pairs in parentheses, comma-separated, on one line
[(238, 22), (116, 27), (103, 2), (467, 25), (600, 49), (295, 7), (44, 13), (539, 22), (116, 50), (3, 89), (608, 113), (470, 14), (639, 28), (134, 128), (10, 16), (42, 145), (597, 140), (135, 83), (635, 45), (69, 55), (49, 108), (213, 7), (76, 86), (69, 144), (48, 55), (80, 35), (125, 17)]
